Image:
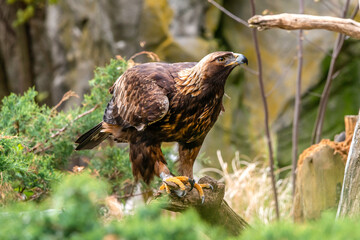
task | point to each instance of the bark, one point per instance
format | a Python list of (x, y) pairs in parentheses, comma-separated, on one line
[(4, 87), (214, 210), (320, 175), (318, 185), (350, 125), (303, 21), (349, 204), (24, 46)]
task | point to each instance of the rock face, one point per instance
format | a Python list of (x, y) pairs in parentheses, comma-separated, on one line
[(66, 41), (87, 34)]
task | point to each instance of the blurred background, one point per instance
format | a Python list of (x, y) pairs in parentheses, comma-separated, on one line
[(56, 45)]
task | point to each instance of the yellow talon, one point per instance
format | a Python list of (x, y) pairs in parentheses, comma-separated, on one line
[(177, 180), (166, 187), (181, 181), (199, 188)]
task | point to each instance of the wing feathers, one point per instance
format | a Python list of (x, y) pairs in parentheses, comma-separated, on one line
[(138, 100)]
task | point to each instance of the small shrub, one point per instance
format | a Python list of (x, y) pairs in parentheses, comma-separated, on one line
[(324, 228), (73, 212), (37, 142)]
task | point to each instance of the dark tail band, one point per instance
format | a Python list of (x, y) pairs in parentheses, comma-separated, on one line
[(91, 138)]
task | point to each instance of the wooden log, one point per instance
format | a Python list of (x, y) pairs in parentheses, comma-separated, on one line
[(319, 181), (350, 123), (303, 21), (320, 175), (349, 204), (214, 210)]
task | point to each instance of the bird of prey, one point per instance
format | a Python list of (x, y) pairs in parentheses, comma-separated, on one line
[(161, 102)]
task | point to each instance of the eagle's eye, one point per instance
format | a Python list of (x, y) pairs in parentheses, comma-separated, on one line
[(220, 59)]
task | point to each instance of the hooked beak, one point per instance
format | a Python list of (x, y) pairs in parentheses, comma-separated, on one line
[(239, 59)]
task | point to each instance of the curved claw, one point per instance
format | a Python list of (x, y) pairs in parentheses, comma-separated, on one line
[(192, 183), (200, 187), (180, 181), (179, 192)]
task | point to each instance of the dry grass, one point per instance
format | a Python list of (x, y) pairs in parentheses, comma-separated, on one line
[(248, 188)]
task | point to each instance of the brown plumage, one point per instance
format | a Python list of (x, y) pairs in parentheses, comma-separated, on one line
[(160, 102)]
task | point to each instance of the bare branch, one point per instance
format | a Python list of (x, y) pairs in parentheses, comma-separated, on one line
[(297, 105), (59, 132), (326, 92), (77, 117), (266, 116), (86, 113), (153, 56), (66, 96), (221, 8), (303, 21)]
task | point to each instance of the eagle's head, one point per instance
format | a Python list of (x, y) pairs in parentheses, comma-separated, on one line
[(217, 62), (210, 72), (220, 64)]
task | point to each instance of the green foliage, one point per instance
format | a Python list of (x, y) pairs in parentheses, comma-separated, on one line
[(73, 212), (36, 146), (37, 142), (76, 196), (325, 228), (150, 223), (70, 213), (24, 170), (111, 165)]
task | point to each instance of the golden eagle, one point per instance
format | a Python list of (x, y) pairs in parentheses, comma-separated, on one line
[(162, 102)]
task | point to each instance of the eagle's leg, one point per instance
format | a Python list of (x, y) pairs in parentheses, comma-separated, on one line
[(187, 155), (148, 160)]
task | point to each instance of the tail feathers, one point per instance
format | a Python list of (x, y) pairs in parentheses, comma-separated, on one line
[(91, 138)]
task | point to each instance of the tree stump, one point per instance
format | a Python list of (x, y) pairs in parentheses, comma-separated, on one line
[(214, 210), (350, 195), (318, 184), (320, 174)]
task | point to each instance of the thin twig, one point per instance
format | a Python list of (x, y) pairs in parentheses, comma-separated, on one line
[(86, 113), (281, 78), (332, 8), (326, 92), (250, 70), (239, 20), (221, 8), (266, 116), (59, 132), (65, 97), (75, 119), (316, 46), (295, 130), (153, 56)]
